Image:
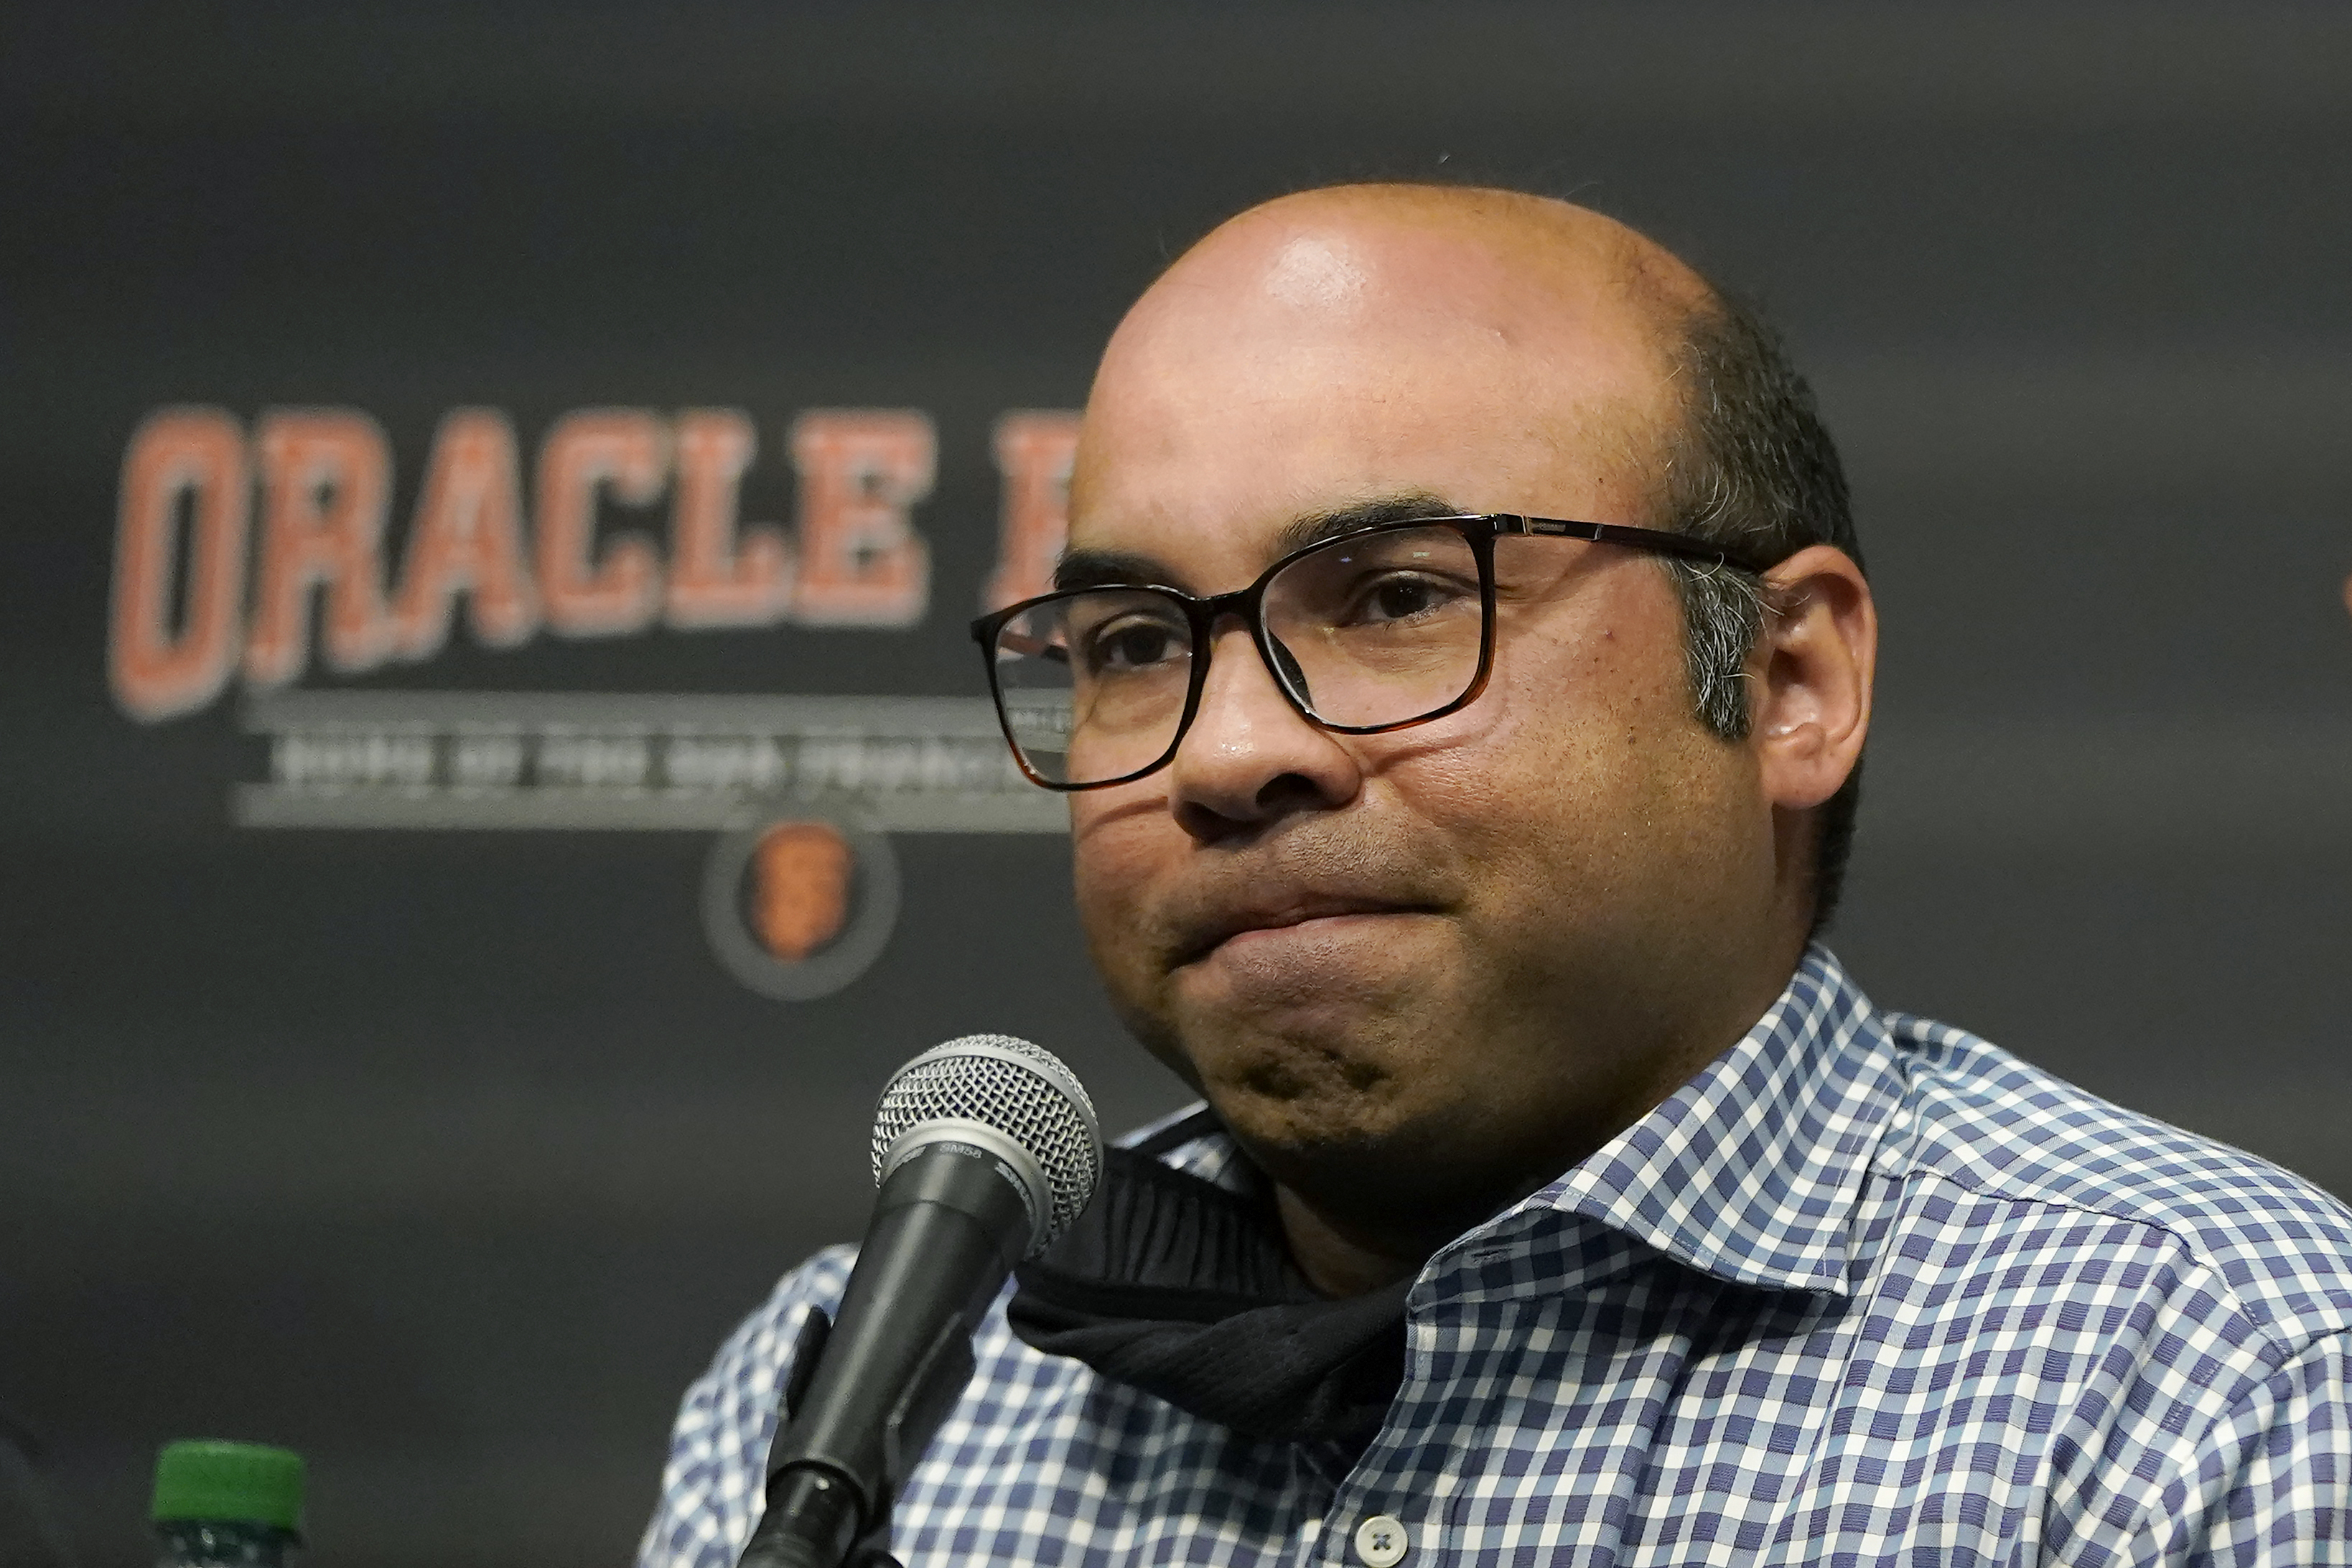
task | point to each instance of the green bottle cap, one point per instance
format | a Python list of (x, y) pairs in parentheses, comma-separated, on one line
[(215, 1480)]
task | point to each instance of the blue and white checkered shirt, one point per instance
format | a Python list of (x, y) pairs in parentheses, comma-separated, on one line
[(1866, 1291)]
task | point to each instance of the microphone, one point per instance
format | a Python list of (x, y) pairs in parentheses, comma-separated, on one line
[(985, 1149)]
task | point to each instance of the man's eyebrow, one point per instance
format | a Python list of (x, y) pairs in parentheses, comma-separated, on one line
[(1114, 568), (1108, 568), (1315, 527)]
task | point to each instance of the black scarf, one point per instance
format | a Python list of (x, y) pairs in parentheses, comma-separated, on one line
[(1172, 1285)]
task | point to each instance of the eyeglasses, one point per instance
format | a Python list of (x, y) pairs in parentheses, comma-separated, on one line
[(1376, 629)]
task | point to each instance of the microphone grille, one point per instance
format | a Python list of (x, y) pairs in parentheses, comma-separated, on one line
[(1022, 1090)]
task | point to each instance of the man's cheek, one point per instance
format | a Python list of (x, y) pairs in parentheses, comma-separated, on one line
[(1110, 899)]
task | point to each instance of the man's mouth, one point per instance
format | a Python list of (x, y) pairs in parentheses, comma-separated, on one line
[(1206, 936)]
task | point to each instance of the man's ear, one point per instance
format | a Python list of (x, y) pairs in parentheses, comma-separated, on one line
[(1811, 676)]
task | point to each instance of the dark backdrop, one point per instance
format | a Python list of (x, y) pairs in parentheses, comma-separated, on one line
[(448, 1158)]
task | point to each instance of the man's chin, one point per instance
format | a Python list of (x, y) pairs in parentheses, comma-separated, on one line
[(1356, 1160), (1321, 1092), (1309, 1143)]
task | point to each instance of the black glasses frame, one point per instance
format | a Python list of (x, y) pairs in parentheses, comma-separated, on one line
[(1478, 531)]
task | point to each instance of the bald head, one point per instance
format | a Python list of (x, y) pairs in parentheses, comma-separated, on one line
[(1569, 319)]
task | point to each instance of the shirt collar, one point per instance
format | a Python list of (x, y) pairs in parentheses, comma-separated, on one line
[(1751, 1171)]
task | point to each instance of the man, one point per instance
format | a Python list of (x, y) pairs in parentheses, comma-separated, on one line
[(1554, 1200)]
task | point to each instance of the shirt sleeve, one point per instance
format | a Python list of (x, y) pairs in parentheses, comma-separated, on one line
[(710, 1495), (2270, 1485)]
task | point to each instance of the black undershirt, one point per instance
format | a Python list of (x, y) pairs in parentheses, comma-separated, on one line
[(1177, 1286)]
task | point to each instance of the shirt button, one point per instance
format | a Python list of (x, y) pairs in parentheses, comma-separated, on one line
[(1382, 1541)]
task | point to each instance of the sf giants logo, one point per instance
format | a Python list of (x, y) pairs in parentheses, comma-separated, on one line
[(797, 908), (800, 888), (200, 593)]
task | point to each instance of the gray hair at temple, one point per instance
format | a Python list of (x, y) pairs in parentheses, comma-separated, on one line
[(1751, 466)]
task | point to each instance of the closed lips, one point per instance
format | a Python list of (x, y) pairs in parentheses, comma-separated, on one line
[(1216, 930)]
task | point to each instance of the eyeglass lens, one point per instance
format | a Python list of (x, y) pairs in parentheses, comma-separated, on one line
[(1370, 630)]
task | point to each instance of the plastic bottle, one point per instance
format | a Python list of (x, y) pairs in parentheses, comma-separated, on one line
[(218, 1504)]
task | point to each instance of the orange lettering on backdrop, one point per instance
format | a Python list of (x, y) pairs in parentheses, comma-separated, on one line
[(624, 452), (196, 455), (326, 481), (467, 538), (861, 471), (714, 581), (1033, 449)]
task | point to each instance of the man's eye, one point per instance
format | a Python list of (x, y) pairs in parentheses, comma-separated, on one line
[(1124, 646), (1404, 596)]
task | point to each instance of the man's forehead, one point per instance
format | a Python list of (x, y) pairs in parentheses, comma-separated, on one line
[(1343, 350), (1212, 495)]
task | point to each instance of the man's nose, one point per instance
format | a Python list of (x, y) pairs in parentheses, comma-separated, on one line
[(1250, 756)]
